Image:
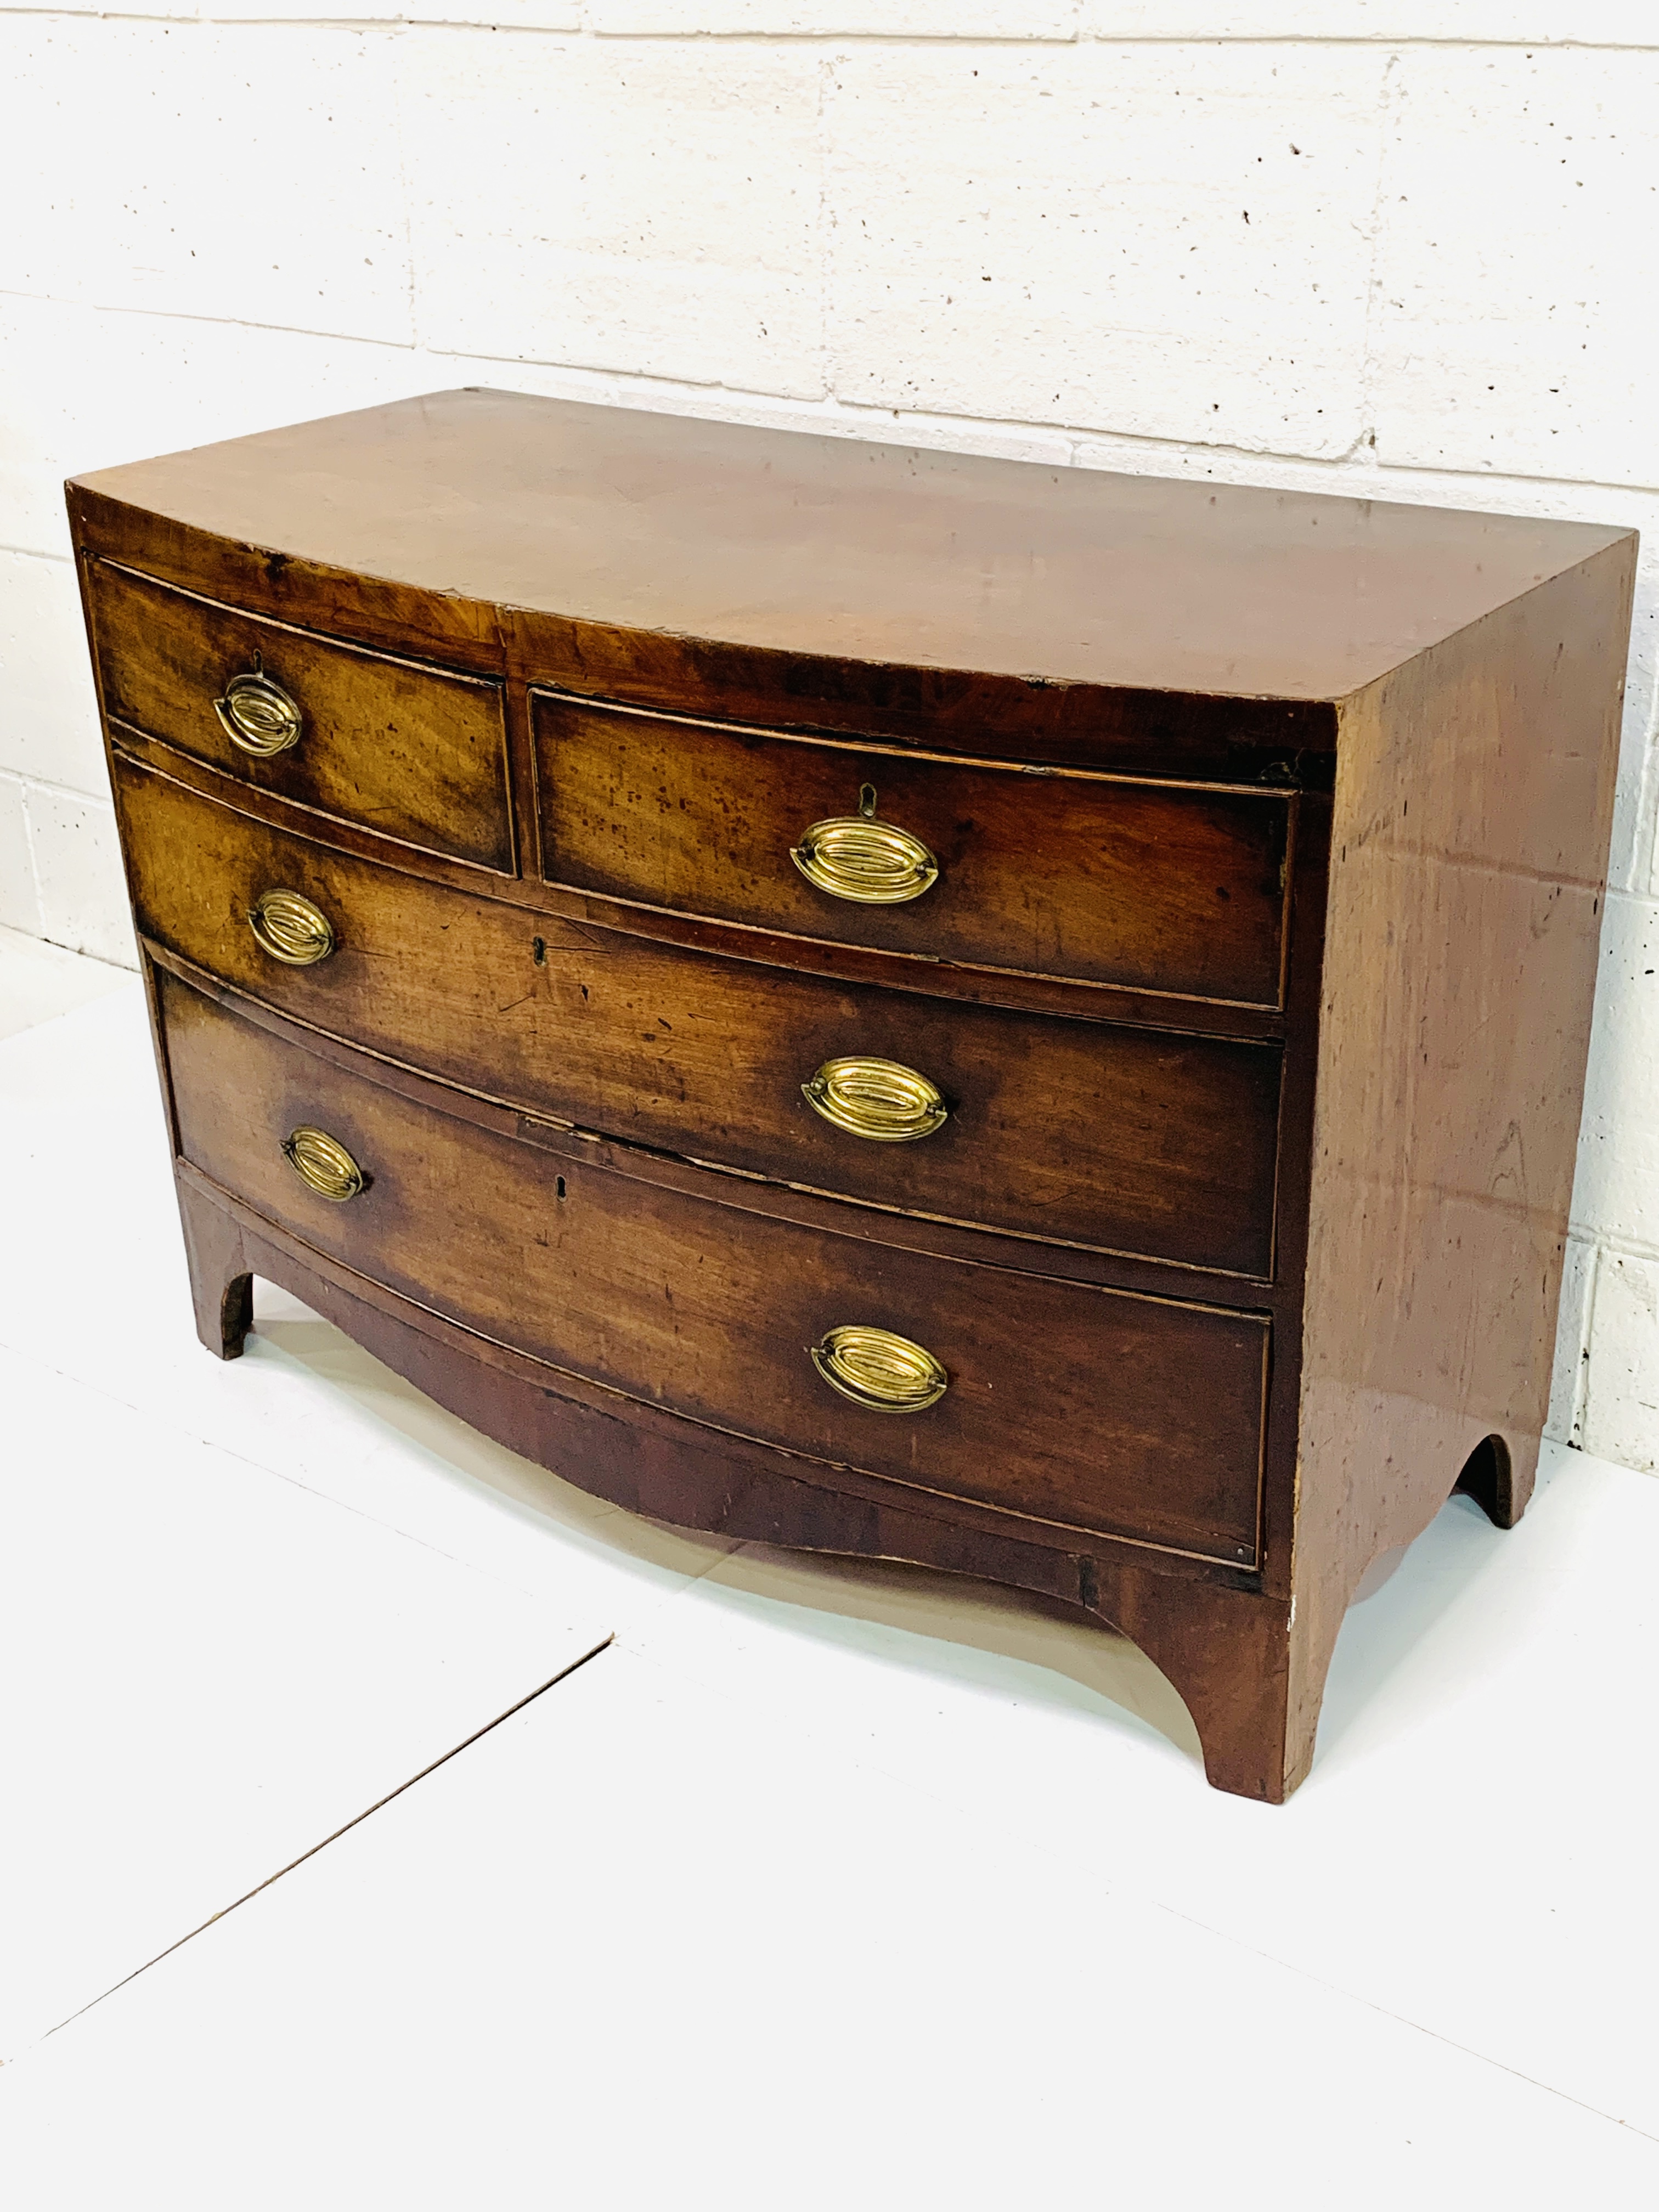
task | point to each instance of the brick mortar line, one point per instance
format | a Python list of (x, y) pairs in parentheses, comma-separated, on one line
[(1612, 1244), (227, 322), (25, 779), (1351, 473), (1585, 1362), (1016, 41)]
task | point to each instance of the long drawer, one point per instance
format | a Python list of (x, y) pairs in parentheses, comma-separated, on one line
[(1086, 1408), (1095, 878), (415, 753), (1083, 1131)]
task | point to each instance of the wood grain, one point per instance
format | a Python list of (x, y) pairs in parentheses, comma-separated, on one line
[(711, 1312), (1467, 865), (1092, 1132), (1164, 888), (412, 753)]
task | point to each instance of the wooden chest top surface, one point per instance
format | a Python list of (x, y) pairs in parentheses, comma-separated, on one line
[(831, 546)]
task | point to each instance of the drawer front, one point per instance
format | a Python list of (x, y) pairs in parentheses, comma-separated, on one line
[(1090, 1132), (411, 752), (1086, 1408), (1155, 886)]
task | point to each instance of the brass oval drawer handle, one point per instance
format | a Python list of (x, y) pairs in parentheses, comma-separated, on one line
[(853, 856), (324, 1165), (879, 1099), (258, 716), (291, 929), (884, 1373)]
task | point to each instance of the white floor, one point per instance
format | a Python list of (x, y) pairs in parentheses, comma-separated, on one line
[(804, 1885)]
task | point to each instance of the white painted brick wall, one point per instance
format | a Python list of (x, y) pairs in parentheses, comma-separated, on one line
[(652, 207), (1014, 226)]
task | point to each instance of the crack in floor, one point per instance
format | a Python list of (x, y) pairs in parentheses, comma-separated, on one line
[(345, 1828)]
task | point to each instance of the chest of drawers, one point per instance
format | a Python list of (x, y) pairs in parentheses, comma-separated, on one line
[(1024, 1020)]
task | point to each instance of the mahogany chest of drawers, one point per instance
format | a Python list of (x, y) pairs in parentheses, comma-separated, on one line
[(1015, 1018)]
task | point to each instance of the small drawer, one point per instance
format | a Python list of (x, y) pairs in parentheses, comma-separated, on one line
[(1072, 1405), (411, 752), (1160, 887), (1085, 1132)]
